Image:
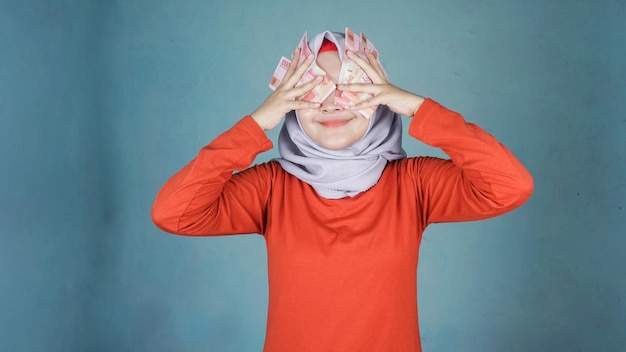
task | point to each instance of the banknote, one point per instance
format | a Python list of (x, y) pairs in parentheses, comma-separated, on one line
[(320, 92), (346, 99), (369, 46), (326, 87), (279, 72), (284, 63), (317, 94), (305, 51), (350, 72)]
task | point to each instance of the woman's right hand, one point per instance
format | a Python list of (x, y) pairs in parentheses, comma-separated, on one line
[(287, 96)]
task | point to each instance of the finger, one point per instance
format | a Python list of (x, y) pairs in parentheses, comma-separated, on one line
[(291, 78), (367, 67), (375, 100), (299, 91), (360, 87), (302, 105), (358, 59), (306, 63), (292, 66), (375, 64), (295, 55)]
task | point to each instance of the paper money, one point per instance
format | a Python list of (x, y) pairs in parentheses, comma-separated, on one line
[(284, 63), (317, 94), (346, 99), (320, 92), (326, 87), (349, 73), (368, 46), (279, 72), (305, 51)]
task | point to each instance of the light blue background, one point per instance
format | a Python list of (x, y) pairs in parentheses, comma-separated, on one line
[(102, 101)]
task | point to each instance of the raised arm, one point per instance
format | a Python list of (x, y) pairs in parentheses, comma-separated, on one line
[(205, 198), (482, 179)]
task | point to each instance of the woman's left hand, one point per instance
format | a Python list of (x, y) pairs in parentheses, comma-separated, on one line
[(398, 100)]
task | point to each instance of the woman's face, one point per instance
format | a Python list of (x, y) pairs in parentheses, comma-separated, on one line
[(329, 125)]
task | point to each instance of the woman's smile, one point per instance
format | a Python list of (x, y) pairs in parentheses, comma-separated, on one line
[(332, 123)]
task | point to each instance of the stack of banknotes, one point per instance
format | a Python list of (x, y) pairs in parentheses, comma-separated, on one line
[(350, 72)]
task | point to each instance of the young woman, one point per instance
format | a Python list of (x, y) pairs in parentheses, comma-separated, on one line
[(343, 210)]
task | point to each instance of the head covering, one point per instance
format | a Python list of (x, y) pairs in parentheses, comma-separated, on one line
[(346, 172), (327, 45)]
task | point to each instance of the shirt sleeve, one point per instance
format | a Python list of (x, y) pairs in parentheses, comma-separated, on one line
[(205, 197), (483, 179)]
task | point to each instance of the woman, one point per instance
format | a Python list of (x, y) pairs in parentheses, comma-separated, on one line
[(343, 209)]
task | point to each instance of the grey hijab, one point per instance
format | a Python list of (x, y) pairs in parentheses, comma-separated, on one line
[(347, 172)]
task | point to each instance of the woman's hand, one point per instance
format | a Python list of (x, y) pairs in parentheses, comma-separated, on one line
[(398, 100), (287, 96)]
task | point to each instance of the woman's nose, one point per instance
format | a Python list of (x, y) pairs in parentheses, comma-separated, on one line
[(329, 105)]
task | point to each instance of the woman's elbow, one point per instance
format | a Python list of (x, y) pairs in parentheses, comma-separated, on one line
[(163, 219), (524, 188)]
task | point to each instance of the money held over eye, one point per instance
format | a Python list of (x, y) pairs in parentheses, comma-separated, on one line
[(350, 72), (317, 94)]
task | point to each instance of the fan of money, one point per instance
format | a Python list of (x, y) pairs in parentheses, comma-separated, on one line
[(350, 72)]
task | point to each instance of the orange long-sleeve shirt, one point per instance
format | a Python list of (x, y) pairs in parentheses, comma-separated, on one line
[(342, 272)]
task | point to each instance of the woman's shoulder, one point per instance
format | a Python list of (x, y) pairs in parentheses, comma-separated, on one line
[(268, 169), (415, 160), (415, 164)]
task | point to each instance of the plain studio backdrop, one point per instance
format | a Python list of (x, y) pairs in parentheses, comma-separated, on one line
[(102, 101)]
